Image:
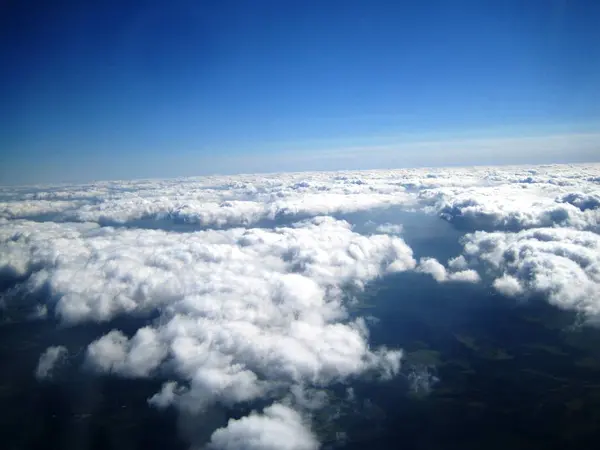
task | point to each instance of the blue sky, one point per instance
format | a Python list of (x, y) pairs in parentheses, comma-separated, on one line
[(129, 89)]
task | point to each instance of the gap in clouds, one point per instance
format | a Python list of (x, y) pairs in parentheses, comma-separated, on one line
[(501, 372)]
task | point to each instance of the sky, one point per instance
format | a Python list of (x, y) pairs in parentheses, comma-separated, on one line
[(135, 89)]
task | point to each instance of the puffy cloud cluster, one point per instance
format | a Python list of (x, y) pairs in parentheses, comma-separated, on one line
[(561, 264), (243, 314), (95, 273), (507, 200), (277, 428), (246, 278), (209, 202), (138, 357), (532, 231), (440, 274)]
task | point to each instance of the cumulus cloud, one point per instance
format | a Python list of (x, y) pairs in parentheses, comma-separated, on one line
[(49, 360), (560, 264), (583, 201), (94, 273), (277, 428), (483, 198), (247, 277), (210, 202), (508, 285), (440, 274), (137, 357), (513, 200), (243, 313)]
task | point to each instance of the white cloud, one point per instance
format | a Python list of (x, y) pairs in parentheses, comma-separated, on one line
[(212, 201), (52, 357), (243, 313), (389, 228), (514, 199), (137, 357), (96, 273), (247, 275), (277, 428), (421, 379), (561, 264), (508, 285), (490, 198), (440, 274), (433, 267), (166, 396)]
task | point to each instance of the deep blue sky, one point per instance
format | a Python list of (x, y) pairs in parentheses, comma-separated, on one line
[(126, 89)]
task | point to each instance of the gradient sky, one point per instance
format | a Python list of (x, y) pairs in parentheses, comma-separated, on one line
[(129, 89)]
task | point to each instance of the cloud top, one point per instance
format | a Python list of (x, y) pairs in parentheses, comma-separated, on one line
[(242, 284), (49, 360), (277, 428)]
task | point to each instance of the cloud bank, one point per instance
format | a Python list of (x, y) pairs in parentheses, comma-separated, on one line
[(243, 314), (242, 284)]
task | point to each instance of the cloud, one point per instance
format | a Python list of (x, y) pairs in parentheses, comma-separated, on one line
[(513, 200), (243, 314), (49, 360), (242, 283), (508, 285), (482, 198), (440, 274), (583, 201), (560, 264), (389, 228), (277, 428), (137, 357), (212, 202), (94, 273)]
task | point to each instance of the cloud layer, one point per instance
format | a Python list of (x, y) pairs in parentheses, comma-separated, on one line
[(243, 314), (242, 283)]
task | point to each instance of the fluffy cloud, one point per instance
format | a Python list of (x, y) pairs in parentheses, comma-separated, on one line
[(277, 428), (247, 277), (483, 198), (440, 274), (95, 273), (508, 285), (260, 310), (561, 264), (243, 313), (508, 201), (209, 202), (48, 361), (137, 357)]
